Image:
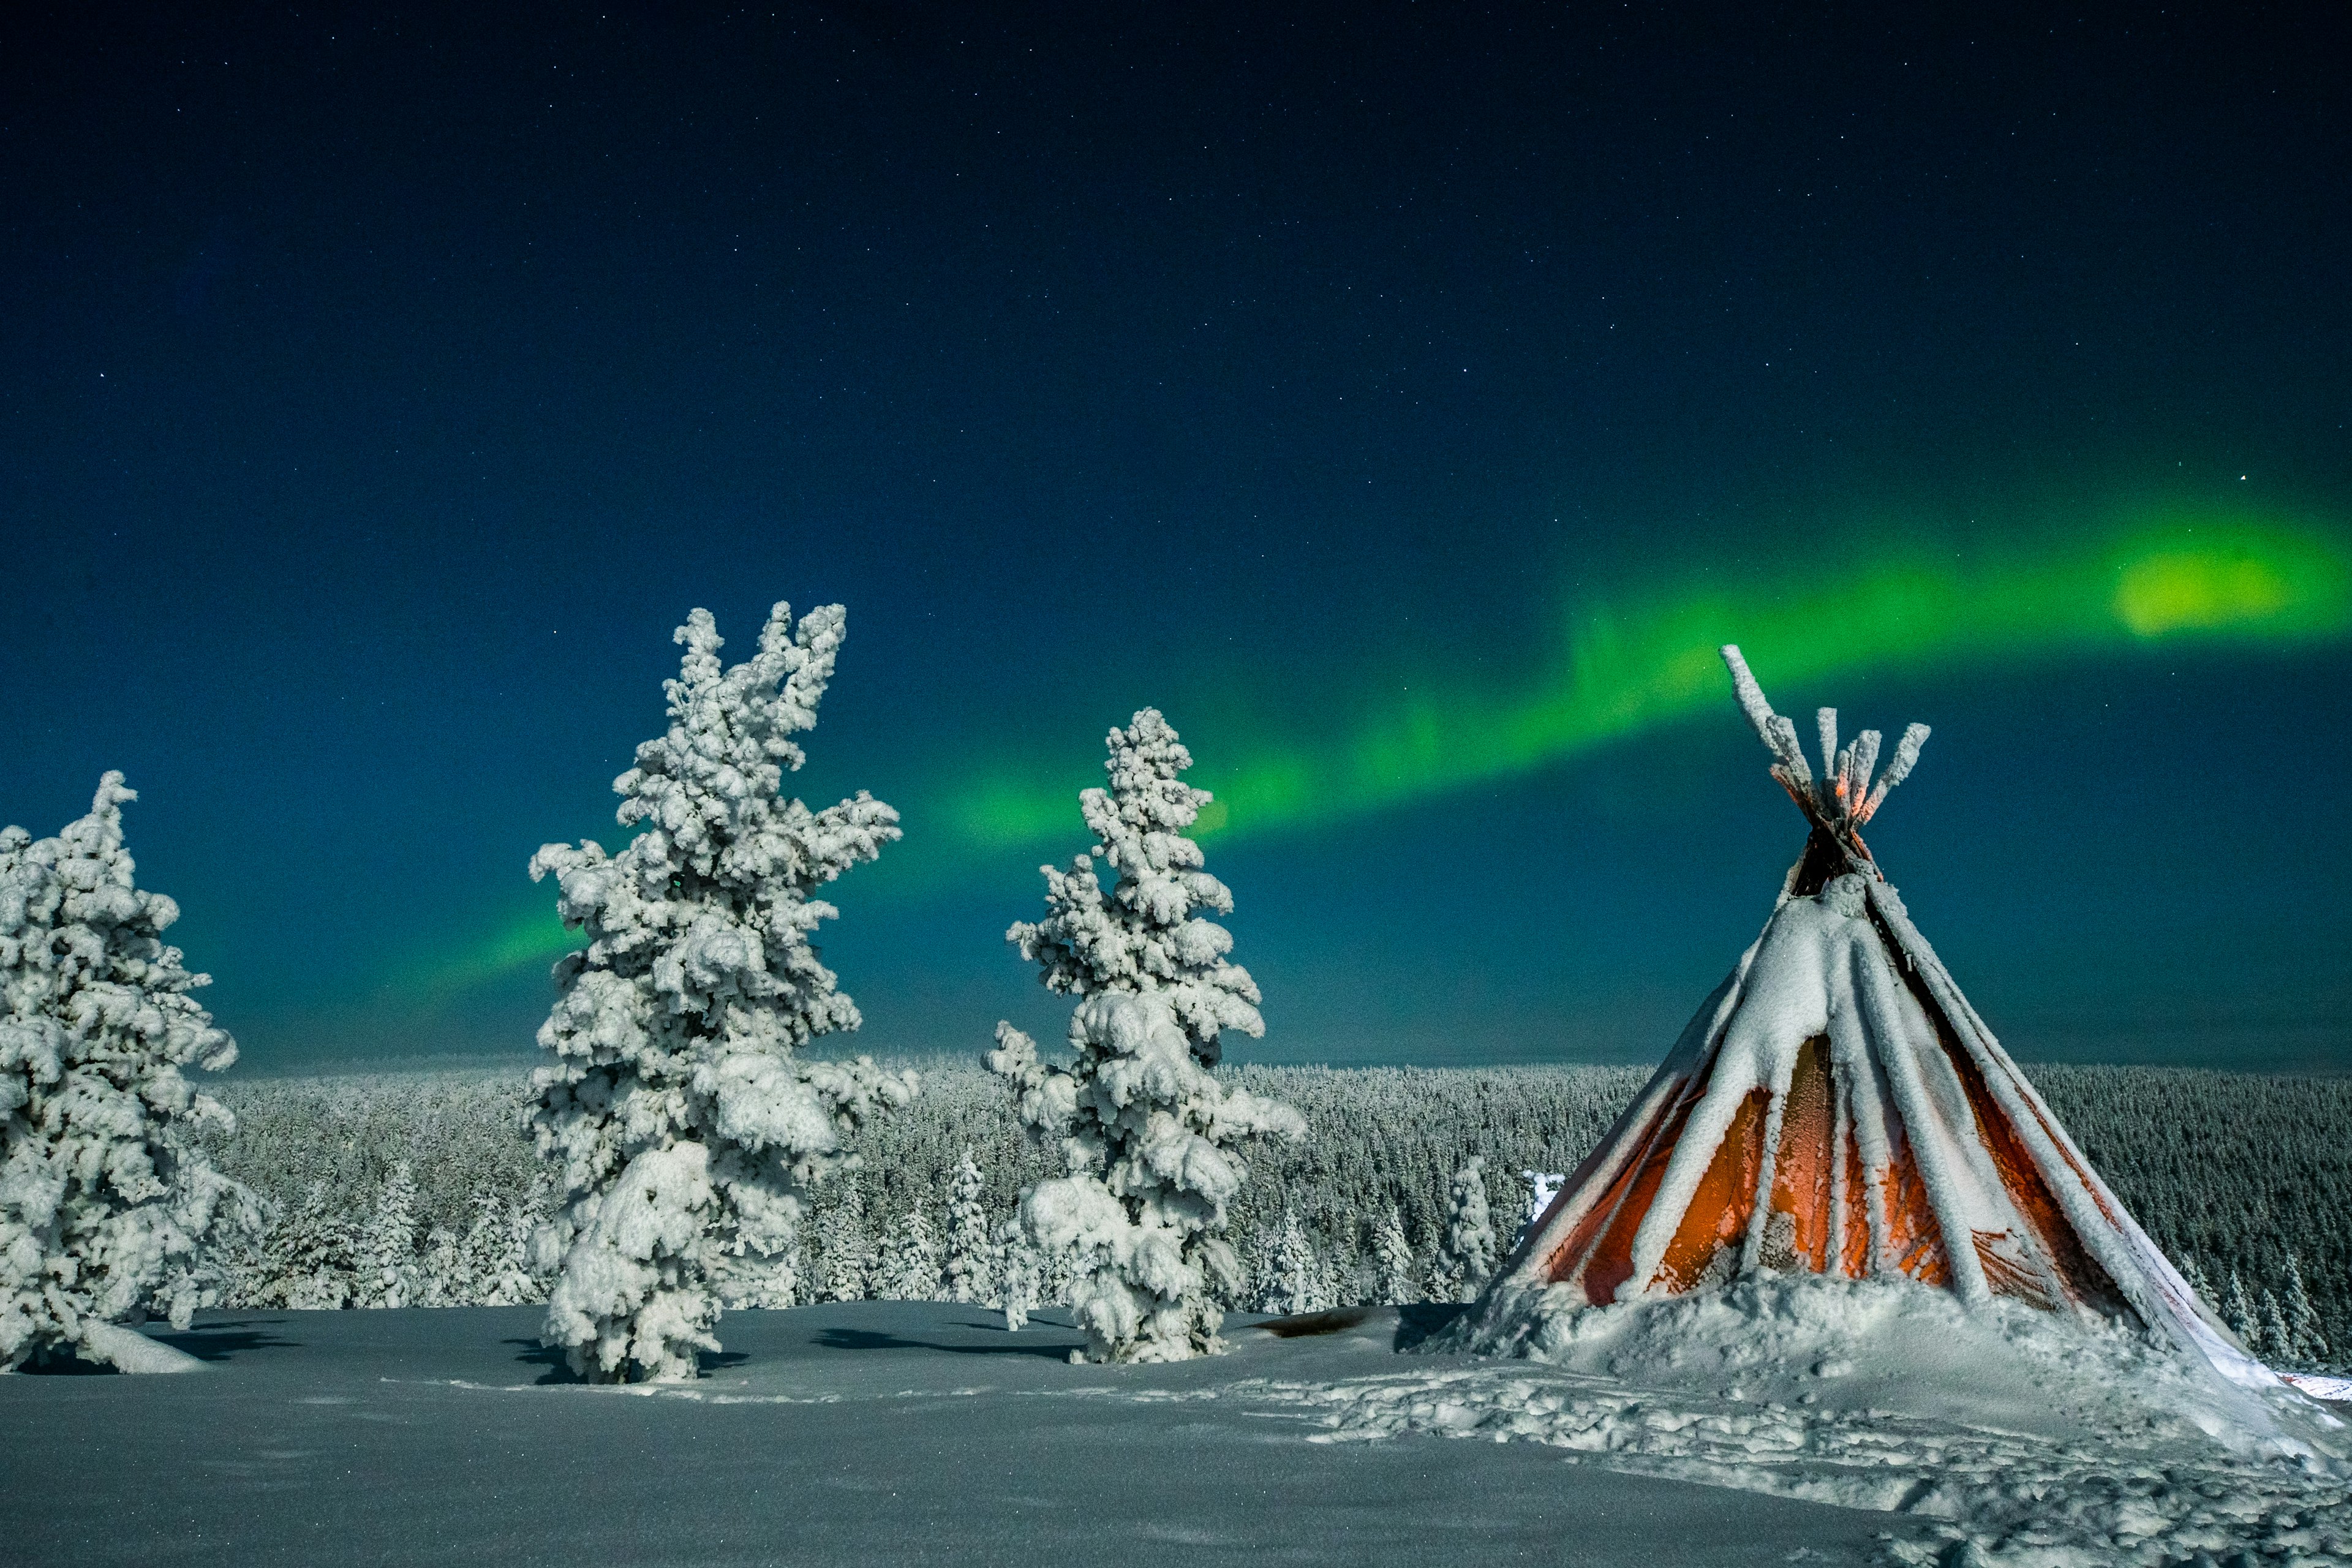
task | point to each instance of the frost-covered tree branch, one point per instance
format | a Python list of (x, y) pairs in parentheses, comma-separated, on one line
[(686, 1131)]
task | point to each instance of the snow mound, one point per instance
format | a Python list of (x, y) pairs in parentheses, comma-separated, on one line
[(2320, 1386), (2040, 1442), (129, 1351)]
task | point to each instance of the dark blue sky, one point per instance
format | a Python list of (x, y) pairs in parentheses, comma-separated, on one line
[(379, 388)]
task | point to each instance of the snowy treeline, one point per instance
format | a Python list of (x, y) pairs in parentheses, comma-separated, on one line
[(423, 1186), (2229, 1172), (1378, 1139), (2245, 1181)]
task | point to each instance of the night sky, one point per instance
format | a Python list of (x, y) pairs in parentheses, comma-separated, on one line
[(1405, 399)]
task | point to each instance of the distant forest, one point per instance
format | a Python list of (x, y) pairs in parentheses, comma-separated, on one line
[(422, 1188)]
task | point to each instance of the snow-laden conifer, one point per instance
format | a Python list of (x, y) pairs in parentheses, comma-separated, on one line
[(387, 1250), (1149, 932), (1393, 1263), (443, 1278), (310, 1257), (108, 1207), (911, 1267), (481, 1249), (1254, 1254), (687, 1131), (1295, 1281), (967, 1271), (1016, 1274), (2194, 1276), (1466, 1257), (2238, 1310), (1146, 1133), (846, 1256), (2277, 1343), (788, 1282), (2307, 1341), (514, 1280)]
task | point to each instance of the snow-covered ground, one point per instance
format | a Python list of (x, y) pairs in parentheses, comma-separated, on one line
[(2027, 1439), (916, 1432)]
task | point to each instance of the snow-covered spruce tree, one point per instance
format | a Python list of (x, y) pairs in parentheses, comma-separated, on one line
[(2195, 1277), (387, 1251), (309, 1257), (1295, 1283), (442, 1277), (2278, 1344), (2239, 1312), (501, 1242), (1147, 933), (1016, 1274), (1253, 1253), (1466, 1257), (966, 1276), (108, 1207), (481, 1250), (2306, 1340), (1393, 1264), (846, 1256), (912, 1266), (1146, 1133), (687, 1132)]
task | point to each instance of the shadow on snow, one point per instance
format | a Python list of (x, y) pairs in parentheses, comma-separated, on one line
[(841, 1339), (559, 1369)]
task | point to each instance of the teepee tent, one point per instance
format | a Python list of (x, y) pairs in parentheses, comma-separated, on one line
[(1838, 1108)]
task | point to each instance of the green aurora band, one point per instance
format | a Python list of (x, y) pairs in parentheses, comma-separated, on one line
[(1633, 671), (2208, 577)]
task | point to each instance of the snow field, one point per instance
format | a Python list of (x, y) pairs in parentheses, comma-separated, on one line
[(1785, 1422), (2027, 1441), (857, 1433)]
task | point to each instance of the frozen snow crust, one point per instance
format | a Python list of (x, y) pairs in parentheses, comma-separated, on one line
[(889, 1432), (853, 1433), (2036, 1440)]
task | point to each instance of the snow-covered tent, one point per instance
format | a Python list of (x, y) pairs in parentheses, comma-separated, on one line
[(1837, 1108)]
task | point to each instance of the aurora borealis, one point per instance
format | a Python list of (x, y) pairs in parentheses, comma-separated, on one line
[(1620, 673), (2215, 578), (1407, 406), (1623, 673)]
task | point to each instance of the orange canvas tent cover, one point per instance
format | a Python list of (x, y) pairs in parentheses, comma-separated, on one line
[(1837, 1108)]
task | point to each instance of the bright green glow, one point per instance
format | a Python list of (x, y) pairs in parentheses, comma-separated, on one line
[(535, 936), (1630, 670), (2181, 591), (2175, 579)]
